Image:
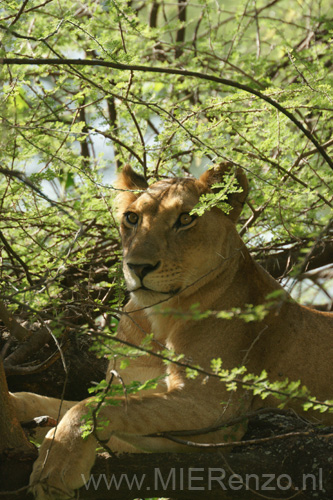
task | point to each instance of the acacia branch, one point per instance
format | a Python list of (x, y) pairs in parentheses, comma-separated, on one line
[(281, 263), (20, 12), (18, 331), (232, 444), (36, 7), (11, 252), (16, 174), (31, 368), (172, 71)]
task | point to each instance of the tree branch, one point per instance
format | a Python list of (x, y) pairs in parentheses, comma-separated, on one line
[(20, 12), (11, 252), (174, 71), (281, 263), (18, 331), (295, 464)]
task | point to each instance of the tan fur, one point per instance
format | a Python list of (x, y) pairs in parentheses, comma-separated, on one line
[(203, 263)]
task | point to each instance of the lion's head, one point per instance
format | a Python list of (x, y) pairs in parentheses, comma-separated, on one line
[(166, 249)]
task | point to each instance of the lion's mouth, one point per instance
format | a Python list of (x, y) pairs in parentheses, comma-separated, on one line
[(143, 288)]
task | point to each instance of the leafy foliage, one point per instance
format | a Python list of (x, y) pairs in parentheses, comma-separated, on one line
[(219, 198), (67, 127)]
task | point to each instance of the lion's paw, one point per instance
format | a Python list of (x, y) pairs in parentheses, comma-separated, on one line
[(44, 491), (61, 467), (50, 483)]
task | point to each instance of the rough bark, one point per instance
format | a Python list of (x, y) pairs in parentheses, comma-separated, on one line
[(11, 433), (16, 453)]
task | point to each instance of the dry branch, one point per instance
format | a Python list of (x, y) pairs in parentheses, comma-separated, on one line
[(280, 263), (16, 329)]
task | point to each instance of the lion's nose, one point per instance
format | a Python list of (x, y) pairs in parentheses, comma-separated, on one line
[(141, 270)]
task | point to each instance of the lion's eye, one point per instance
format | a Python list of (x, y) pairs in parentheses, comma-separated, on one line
[(185, 219), (131, 218)]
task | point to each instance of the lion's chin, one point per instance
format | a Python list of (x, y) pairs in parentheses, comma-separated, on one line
[(148, 297)]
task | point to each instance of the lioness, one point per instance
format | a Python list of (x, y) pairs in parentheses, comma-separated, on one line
[(172, 260)]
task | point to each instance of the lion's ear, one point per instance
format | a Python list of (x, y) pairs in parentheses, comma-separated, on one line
[(128, 181), (216, 175)]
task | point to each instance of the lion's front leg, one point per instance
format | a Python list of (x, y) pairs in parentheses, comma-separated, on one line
[(65, 462)]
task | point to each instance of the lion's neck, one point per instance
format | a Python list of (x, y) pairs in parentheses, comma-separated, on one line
[(239, 281), (245, 283)]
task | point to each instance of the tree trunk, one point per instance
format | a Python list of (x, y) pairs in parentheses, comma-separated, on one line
[(16, 453)]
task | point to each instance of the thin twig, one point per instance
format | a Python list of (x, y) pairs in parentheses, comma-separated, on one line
[(231, 444), (20, 12)]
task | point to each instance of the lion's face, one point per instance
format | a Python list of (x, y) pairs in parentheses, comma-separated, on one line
[(167, 250)]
